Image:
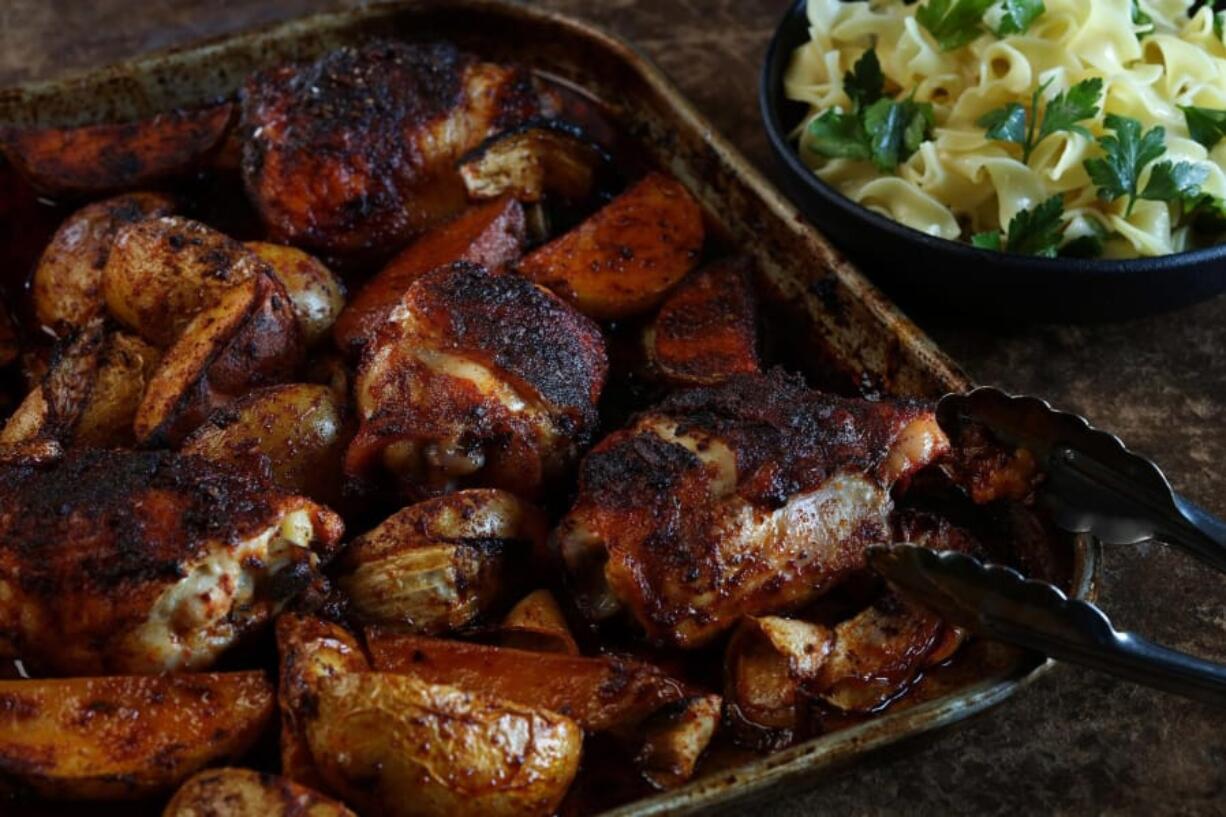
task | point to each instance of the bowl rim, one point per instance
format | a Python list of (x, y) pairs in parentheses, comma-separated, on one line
[(770, 97)]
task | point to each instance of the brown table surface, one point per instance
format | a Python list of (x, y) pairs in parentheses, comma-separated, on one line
[(1073, 743)]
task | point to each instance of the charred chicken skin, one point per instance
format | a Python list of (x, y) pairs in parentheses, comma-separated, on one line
[(114, 561), (750, 497), (356, 152), (477, 380)]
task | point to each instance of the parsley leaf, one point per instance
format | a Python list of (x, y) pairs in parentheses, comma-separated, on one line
[(1169, 181), (1063, 112), (865, 83), (953, 23), (1206, 212), (1205, 125), (990, 240), (1018, 15), (838, 135), (896, 129), (1036, 231), (1089, 245), (1143, 21), (1128, 151)]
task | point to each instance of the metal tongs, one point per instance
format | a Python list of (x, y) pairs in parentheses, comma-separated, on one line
[(1094, 485)]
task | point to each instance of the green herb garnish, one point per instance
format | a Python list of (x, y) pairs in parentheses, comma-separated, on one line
[(1128, 153), (1035, 231), (1013, 123), (953, 23), (1205, 125)]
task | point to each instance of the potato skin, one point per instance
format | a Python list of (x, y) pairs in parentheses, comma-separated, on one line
[(67, 284), (396, 745), (125, 737), (296, 433), (161, 272), (317, 295), (623, 259), (246, 793), (249, 338), (114, 156)]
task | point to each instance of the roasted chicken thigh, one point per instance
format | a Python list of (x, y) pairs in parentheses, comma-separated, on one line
[(143, 562), (741, 499), (356, 151), (477, 380)]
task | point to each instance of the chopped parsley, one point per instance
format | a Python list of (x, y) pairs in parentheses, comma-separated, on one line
[(1013, 123), (1126, 155)]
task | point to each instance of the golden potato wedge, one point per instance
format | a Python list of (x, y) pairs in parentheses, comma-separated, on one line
[(161, 272), (126, 737), (706, 331), (602, 693), (317, 295), (90, 392), (247, 793), (438, 565), (490, 234), (543, 156), (99, 158), (67, 285), (623, 259), (248, 339), (676, 738), (295, 433), (397, 745), (536, 623), (764, 666), (308, 650)]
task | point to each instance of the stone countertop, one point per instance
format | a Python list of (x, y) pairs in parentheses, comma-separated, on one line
[(1074, 742)]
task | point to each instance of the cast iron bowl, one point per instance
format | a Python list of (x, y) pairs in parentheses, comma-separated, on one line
[(955, 277)]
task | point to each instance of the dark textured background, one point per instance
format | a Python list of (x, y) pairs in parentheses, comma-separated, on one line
[(1073, 743)]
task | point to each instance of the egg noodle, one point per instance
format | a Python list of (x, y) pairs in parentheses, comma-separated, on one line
[(1158, 62)]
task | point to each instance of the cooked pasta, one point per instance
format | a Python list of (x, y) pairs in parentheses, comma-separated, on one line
[(1144, 60)]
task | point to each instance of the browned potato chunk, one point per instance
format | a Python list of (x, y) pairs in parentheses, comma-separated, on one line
[(162, 271), (706, 331), (315, 292), (245, 793), (544, 156), (438, 565), (67, 284), (676, 738), (295, 433), (249, 338), (9, 348), (623, 259), (96, 158), (308, 650), (537, 623), (125, 737), (396, 745), (90, 394)]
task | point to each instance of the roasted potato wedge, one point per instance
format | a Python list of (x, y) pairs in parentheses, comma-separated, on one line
[(294, 433), (308, 650), (490, 234), (90, 393), (125, 737), (397, 745), (536, 623), (100, 158), (9, 349), (765, 663), (438, 565), (543, 156), (161, 272), (706, 331), (317, 295), (249, 338), (622, 260), (67, 284), (246, 793), (602, 693), (676, 738)]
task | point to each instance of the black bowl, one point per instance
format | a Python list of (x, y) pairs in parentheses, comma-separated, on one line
[(951, 276)]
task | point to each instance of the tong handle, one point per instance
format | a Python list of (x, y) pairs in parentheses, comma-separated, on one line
[(1133, 658), (1206, 540)]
